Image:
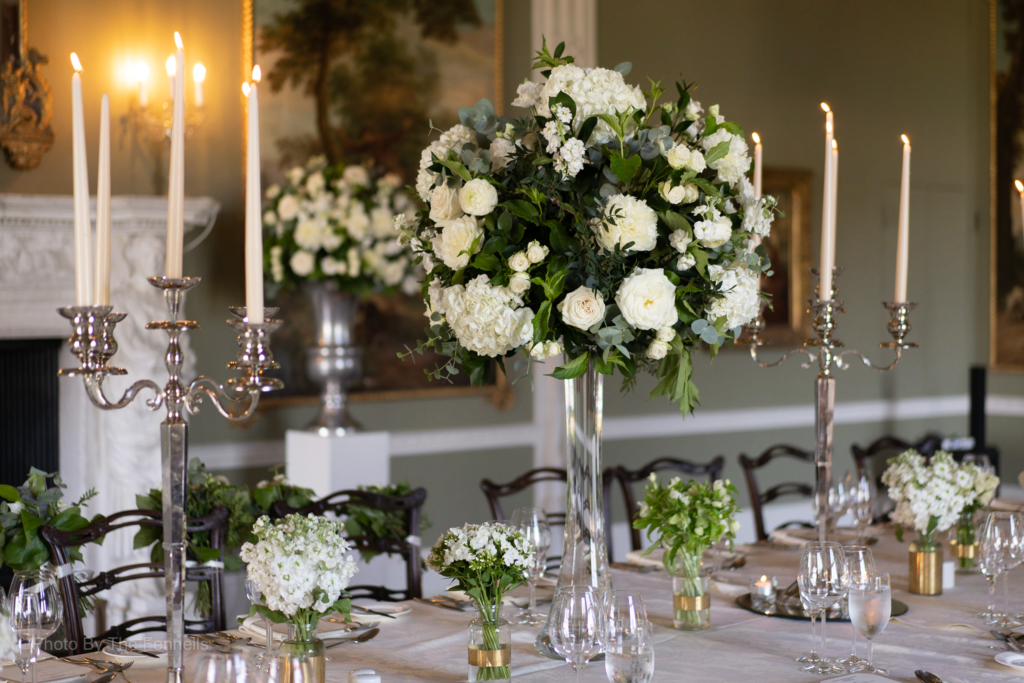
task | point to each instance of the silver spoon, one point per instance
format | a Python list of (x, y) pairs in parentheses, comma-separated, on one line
[(361, 638)]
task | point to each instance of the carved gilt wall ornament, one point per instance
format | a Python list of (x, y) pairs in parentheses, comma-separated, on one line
[(26, 105)]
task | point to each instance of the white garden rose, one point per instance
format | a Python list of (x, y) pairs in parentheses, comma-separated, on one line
[(627, 219), (478, 197), (740, 302), (536, 252), (519, 283), (657, 350), (713, 232), (302, 263), (483, 321), (519, 261), (736, 162), (452, 245), (680, 240), (666, 334), (356, 176), (501, 153), (678, 156), (288, 207), (647, 299), (444, 204), (673, 195), (697, 163), (582, 308)]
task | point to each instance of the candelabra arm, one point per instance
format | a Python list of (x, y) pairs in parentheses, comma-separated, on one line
[(94, 388), (811, 357), (843, 364), (235, 403)]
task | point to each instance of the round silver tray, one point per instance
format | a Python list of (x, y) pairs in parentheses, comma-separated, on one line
[(789, 611)]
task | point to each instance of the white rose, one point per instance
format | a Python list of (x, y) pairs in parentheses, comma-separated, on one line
[(678, 156), (582, 308), (697, 162), (673, 195), (627, 219), (444, 204), (288, 207), (647, 299), (478, 197), (692, 193), (519, 283), (713, 233), (679, 239), (536, 252), (519, 261), (302, 263), (657, 350), (452, 245), (666, 334), (356, 175), (538, 351), (552, 349), (269, 218)]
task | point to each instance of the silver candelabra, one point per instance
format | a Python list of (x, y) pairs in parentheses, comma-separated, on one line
[(831, 355), (92, 341)]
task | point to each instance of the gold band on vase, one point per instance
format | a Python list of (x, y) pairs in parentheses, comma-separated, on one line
[(925, 570), (692, 604), (481, 658), (963, 551)]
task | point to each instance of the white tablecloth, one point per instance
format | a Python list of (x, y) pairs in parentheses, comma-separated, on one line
[(429, 644)]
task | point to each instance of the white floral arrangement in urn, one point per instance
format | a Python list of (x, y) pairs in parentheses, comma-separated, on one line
[(302, 566), (607, 225), (338, 223), (929, 497)]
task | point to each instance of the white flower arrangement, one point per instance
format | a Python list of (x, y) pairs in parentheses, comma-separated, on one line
[(303, 566), (486, 559), (928, 497), (8, 641), (587, 227), (333, 222)]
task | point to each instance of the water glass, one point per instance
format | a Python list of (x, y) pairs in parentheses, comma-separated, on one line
[(534, 525), (862, 568), (628, 641), (36, 611), (216, 666), (1002, 547), (824, 579), (577, 625), (252, 591), (870, 609), (863, 505)]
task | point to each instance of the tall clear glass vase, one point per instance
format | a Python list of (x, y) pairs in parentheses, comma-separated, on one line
[(584, 555)]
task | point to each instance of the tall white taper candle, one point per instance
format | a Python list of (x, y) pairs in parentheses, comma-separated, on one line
[(80, 180), (903, 235), (253, 210), (103, 208), (828, 235), (176, 175)]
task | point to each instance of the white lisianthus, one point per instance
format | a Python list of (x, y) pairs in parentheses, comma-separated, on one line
[(678, 156), (536, 252), (288, 207), (455, 241), (647, 299), (693, 110), (627, 219), (739, 302), (356, 176), (582, 308), (478, 197), (454, 138), (528, 95), (713, 232), (519, 283), (680, 240), (657, 350), (302, 263), (666, 334), (736, 162), (519, 261), (483, 321), (501, 153)]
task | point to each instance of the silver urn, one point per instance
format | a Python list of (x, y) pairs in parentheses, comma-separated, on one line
[(335, 363)]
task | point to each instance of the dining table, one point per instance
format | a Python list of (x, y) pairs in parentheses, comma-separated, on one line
[(940, 633)]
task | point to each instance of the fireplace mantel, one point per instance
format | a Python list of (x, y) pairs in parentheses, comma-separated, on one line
[(37, 255)]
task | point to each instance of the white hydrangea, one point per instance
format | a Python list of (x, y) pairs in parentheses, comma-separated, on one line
[(735, 163), (923, 492), (456, 136), (627, 219), (299, 563), (714, 230), (757, 214), (595, 91), (482, 319), (739, 301)]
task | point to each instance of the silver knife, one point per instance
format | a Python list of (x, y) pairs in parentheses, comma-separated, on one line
[(129, 648), (927, 676), (370, 611)]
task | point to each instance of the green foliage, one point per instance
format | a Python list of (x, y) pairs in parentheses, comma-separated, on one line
[(374, 523)]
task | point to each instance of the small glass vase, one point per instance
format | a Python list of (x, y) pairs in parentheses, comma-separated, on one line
[(691, 595), (303, 649), (963, 545), (490, 645), (925, 568)]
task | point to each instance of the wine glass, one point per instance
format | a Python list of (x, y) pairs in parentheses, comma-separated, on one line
[(628, 643), (838, 502), (862, 567), (577, 616), (36, 612), (252, 591), (824, 579), (1002, 547), (870, 609), (863, 505), (534, 525), (218, 666), (813, 611)]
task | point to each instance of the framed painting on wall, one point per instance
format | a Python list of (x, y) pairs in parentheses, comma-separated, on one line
[(367, 83)]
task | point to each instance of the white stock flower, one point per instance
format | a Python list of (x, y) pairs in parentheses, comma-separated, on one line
[(519, 262), (276, 266), (739, 301), (570, 158), (685, 262), (680, 240), (478, 197), (713, 232), (482, 320), (647, 299), (501, 153), (736, 162), (595, 91), (657, 350), (454, 138), (455, 240), (536, 252), (528, 94), (302, 263), (582, 308), (519, 283), (627, 219), (288, 207), (356, 176), (757, 217)]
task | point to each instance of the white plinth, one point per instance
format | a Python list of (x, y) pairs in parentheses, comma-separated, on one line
[(333, 463)]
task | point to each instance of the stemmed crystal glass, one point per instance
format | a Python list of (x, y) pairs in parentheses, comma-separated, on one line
[(252, 591), (989, 566), (534, 525), (870, 609), (824, 579), (215, 666), (813, 611), (862, 567), (577, 625), (1002, 547), (628, 642), (862, 502), (36, 611)]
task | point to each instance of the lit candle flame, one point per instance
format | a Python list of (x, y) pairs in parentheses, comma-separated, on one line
[(177, 40), (828, 126), (824, 107), (257, 74), (764, 578), (906, 140), (245, 89), (141, 72), (756, 137), (835, 145), (75, 63), (1020, 186), (171, 65), (199, 72)]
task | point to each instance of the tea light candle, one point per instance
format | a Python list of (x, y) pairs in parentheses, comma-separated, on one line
[(762, 591)]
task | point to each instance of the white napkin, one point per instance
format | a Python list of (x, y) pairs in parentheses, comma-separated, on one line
[(1007, 504), (50, 671), (325, 630)]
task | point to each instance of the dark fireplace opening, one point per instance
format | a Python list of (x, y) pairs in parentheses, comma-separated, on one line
[(29, 408)]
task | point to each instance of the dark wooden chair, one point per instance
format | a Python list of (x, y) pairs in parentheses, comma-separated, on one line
[(495, 492), (758, 499), (889, 446), (627, 477), (73, 589), (340, 502)]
